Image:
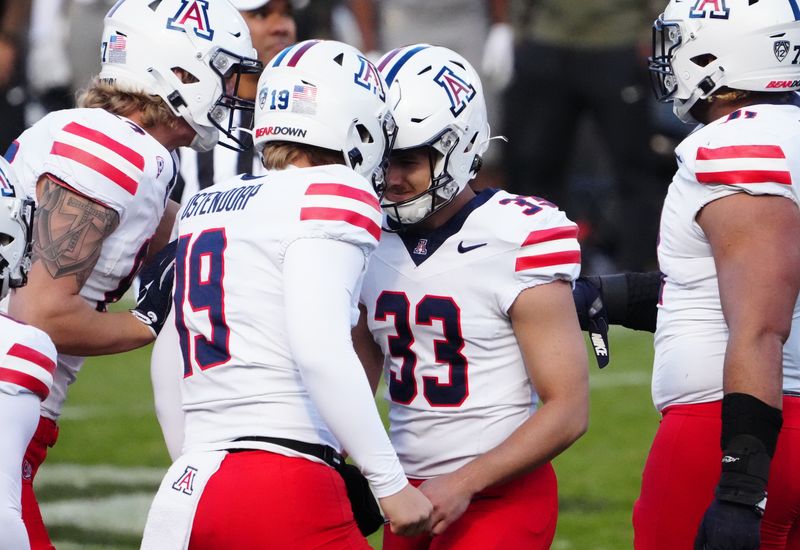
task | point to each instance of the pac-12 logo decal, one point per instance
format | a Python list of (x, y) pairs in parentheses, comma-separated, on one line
[(192, 14), (715, 9), (781, 49), (185, 483), (367, 77), (459, 91)]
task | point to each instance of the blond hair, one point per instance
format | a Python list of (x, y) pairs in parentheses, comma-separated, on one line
[(107, 95), (277, 155)]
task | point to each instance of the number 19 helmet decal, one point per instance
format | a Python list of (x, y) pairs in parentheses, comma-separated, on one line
[(189, 52), (327, 94), (438, 103), (700, 46), (16, 232)]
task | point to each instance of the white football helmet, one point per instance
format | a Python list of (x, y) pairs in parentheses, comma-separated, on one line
[(327, 94), (438, 103), (16, 232), (702, 45), (144, 43)]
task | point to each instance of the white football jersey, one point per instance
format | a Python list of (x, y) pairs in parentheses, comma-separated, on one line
[(239, 375), (114, 162), (437, 304), (755, 150), (27, 359)]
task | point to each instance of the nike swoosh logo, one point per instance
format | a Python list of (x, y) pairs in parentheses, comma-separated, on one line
[(462, 249), (236, 34)]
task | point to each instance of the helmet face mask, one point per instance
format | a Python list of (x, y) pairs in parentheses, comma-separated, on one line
[(438, 103), (230, 68), (666, 38), (703, 45), (16, 233), (326, 94), (190, 53)]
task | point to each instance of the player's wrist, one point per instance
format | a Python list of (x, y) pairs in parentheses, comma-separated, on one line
[(750, 431)]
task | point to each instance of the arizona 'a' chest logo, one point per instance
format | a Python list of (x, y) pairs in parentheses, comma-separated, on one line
[(714, 9), (459, 91), (367, 77), (192, 16)]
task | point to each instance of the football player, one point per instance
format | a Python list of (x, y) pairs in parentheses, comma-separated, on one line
[(727, 342), (101, 175), (467, 311), (267, 276), (27, 362), (272, 28)]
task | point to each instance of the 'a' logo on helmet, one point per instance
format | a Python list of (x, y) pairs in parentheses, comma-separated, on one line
[(192, 15), (367, 77), (715, 9), (459, 91)]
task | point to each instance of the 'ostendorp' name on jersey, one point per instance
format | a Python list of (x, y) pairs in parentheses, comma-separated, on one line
[(212, 202)]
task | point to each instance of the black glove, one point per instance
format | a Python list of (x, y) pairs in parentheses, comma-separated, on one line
[(155, 289), (592, 317), (729, 526), (733, 520)]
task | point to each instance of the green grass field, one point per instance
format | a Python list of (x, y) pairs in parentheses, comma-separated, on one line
[(97, 483)]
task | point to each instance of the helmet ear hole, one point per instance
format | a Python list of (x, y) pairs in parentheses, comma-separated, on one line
[(471, 143), (477, 163), (703, 60), (364, 134), (185, 76), (5, 239)]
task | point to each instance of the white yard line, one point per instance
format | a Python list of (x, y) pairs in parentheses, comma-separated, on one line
[(123, 514), (81, 475)]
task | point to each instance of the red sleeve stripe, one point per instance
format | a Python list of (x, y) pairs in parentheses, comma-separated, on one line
[(552, 234), (32, 356), (547, 260), (741, 151), (97, 164), (341, 190), (109, 143), (732, 177), (337, 214), (26, 381)]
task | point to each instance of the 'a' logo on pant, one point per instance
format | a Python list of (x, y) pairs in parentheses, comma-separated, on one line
[(185, 483)]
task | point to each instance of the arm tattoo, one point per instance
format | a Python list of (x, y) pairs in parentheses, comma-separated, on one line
[(69, 231)]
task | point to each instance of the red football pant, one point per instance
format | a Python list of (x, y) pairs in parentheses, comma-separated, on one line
[(683, 468), (520, 514), (45, 436), (260, 500)]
